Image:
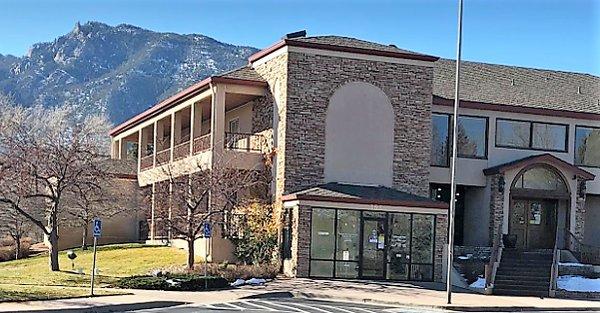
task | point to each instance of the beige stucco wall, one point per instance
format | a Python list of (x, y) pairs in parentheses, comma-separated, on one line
[(359, 136), (120, 229), (470, 171)]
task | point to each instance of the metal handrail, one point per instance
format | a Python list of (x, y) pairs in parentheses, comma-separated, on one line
[(244, 141), (585, 253), (492, 266)]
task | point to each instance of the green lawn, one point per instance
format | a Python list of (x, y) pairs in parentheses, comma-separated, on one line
[(28, 292), (113, 261)]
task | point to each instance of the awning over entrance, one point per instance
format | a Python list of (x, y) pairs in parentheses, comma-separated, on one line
[(540, 159), (364, 195)]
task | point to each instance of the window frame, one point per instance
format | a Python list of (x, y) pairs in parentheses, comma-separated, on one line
[(449, 138), (575, 146), (530, 141)]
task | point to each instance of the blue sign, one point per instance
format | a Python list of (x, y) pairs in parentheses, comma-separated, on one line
[(97, 228), (207, 230)]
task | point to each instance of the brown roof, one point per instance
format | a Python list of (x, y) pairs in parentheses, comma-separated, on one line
[(519, 86), (244, 72), (545, 158), (341, 41), (363, 194)]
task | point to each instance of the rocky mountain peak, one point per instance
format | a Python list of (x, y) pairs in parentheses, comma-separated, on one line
[(118, 70)]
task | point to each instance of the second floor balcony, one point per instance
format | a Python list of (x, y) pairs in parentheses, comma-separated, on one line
[(220, 124)]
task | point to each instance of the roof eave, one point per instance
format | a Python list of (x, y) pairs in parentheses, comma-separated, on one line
[(542, 158), (179, 97), (295, 43), (407, 203)]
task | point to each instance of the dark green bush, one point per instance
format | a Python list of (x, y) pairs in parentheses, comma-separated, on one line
[(175, 282)]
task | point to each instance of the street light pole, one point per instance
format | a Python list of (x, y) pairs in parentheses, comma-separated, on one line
[(453, 161)]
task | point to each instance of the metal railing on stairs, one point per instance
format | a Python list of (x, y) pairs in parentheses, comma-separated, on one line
[(492, 267)]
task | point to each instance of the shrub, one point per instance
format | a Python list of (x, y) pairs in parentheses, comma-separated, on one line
[(176, 282), (230, 272), (258, 243)]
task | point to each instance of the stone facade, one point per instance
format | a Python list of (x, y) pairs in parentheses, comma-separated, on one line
[(496, 206), (304, 214), (441, 238), (312, 80), (579, 211)]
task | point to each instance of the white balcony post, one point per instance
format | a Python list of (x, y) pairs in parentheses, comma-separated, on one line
[(192, 111), (172, 137), (139, 152), (154, 150), (217, 130)]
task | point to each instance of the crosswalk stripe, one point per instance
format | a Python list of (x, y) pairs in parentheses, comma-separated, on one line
[(312, 307), (363, 310), (336, 308), (262, 307), (237, 307), (287, 307)]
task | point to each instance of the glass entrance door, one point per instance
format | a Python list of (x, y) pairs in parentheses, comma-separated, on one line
[(533, 223), (374, 234)]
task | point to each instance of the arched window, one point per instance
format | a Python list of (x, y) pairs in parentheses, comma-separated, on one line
[(541, 178)]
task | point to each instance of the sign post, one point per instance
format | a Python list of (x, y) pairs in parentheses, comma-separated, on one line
[(207, 234), (97, 233)]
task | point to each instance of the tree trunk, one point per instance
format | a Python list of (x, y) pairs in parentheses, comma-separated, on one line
[(53, 247), (17, 247), (190, 260), (84, 239)]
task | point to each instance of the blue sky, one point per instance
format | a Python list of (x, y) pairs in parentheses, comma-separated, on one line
[(561, 35)]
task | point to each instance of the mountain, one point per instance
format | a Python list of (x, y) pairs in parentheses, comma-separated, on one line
[(120, 70)]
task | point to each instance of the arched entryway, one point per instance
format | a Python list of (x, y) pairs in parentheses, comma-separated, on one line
[(539, 199)]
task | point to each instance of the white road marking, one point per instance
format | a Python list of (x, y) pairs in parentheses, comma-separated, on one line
[(287, 307), (262, 307), (362, 309), (237, 307), (311, 307)]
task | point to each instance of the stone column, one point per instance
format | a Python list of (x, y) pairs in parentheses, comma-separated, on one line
[(496, 183), (302, 240), (441, 240), (578, 224)]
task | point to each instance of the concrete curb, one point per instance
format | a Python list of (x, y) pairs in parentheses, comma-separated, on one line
[(111, 307), (316, 296)]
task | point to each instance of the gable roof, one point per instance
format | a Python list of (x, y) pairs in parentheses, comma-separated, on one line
[(545, 158), (363, 194), (344, 44), (518, 86)]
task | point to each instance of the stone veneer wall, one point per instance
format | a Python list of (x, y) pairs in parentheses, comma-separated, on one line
[(441, 239), (312, 80), (302, 255), (579, 221), (275, 72), (496, 207)]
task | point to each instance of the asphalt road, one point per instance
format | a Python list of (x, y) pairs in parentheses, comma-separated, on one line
[(294, 305), (286, 305)]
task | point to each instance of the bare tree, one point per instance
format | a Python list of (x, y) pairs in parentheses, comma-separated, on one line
[(44, 155), (208, 195), (15, 225)]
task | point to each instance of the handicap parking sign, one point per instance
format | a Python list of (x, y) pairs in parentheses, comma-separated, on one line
[(207, 230), (97, 228)]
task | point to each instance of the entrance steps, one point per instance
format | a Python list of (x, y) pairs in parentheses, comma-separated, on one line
[(523, 273)]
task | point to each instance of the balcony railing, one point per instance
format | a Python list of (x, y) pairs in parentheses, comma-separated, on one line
[(181, 151), (146, 162), (244, 142), (201, 143), (163, 157)]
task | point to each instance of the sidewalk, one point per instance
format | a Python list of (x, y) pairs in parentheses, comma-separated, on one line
[(430, 295)]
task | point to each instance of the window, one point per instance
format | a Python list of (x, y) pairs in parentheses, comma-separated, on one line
[(531, 135), (472, 138), (322, 245), (234, 125), (587, 146), (440, 127), (541, 178)]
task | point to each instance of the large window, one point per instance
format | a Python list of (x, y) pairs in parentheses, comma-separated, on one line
[(531, 135), (440, 140), (335, 248), (587, 146), (472, 138)]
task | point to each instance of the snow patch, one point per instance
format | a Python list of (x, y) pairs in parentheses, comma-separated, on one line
[(578, 283), (479, 283)]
